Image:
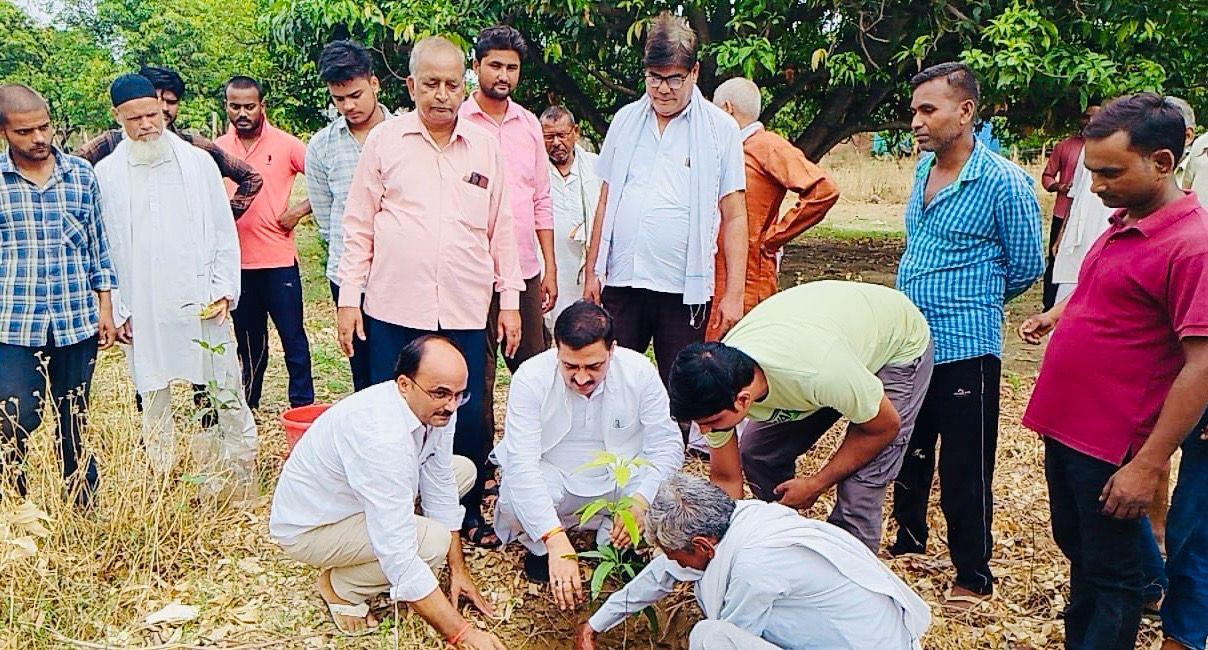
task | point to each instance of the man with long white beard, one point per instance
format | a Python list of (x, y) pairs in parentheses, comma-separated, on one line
[(176, 254)]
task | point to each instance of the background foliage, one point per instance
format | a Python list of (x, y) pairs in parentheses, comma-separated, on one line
[(829, 68)]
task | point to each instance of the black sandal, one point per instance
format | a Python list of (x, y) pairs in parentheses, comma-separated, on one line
[(473, 531)]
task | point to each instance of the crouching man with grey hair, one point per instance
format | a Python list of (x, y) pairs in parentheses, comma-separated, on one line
[(765, 578)]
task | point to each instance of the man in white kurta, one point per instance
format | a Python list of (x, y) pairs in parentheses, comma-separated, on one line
[(176, 254), (765, 578), (1088, 219), (565, 406), (575, 190)]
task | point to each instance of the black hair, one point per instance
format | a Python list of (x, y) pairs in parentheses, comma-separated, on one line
[(19, 98), (164, 79), (958, 75), (343, 61), (412, 354), (582, 324), (240, 81), (499, 37), (670, 42), (1151, 122), (557, 113), (706, 378)]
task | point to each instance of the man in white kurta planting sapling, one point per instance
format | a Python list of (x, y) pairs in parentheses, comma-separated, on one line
[(176, 254), (565, 407)]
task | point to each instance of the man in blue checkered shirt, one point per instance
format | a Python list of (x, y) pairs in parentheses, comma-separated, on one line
[(972, 244), (55, 279)]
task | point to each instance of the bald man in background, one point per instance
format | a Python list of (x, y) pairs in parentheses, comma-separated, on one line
[(773, 167)]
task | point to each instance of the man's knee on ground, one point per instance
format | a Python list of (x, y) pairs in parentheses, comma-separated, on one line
[(464, 473)]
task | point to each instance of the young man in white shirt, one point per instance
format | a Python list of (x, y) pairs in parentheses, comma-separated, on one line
[(567, 405), (345, 501)]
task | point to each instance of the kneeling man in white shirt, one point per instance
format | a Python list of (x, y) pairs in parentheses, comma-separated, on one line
[(565, 406), (345, 501)]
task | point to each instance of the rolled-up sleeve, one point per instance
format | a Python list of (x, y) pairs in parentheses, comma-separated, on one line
[(522, 479), (662, 442), (437, 485), (380, 472)]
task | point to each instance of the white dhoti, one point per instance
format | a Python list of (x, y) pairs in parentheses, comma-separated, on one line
[(566, 505)]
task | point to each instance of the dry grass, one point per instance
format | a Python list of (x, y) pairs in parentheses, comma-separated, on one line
[(146, 544)]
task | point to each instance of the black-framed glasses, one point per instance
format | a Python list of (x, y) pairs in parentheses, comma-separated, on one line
[(674, 82), (443, 394)]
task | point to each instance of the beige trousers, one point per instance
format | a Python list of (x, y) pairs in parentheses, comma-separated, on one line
[(344, 546)]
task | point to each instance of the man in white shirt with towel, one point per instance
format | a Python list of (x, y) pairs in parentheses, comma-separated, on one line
[(765, 577), (345, 501), (565, 407)]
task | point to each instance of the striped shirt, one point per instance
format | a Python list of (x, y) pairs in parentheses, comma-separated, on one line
[(331, 159), (53, 254), (975, 246)]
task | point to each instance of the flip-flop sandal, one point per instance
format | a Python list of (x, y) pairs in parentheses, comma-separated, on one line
[(351, 611), (954, 603), (481, 529)]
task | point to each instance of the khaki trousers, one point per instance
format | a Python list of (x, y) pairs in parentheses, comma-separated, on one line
[(344, 547)]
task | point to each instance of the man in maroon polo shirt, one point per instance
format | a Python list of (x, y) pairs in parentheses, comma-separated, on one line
[(1135, 334)]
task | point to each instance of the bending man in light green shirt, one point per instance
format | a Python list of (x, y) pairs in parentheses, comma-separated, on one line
[(794, 365)]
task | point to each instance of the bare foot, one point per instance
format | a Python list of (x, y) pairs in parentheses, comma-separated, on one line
[(959, 599), (346, 624)]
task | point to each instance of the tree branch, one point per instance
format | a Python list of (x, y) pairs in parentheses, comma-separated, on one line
[(573, 94), (610, 84)]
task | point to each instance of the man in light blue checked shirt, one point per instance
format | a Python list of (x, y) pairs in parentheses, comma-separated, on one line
[(55, 279), (331, 159), (972, 243)]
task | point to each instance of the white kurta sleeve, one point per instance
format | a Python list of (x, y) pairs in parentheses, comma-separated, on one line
[(437, 485), (648, 587), (380, 472), (662, 442), (225, 270), (522, 478)]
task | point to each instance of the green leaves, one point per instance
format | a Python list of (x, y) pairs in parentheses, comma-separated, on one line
[(592, 509)]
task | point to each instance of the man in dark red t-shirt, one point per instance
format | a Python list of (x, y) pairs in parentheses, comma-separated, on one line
[(1135, 334)]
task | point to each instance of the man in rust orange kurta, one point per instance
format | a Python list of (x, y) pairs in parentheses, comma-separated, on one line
[(774, 166)]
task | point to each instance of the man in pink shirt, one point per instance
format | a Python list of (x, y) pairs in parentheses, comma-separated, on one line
[(428, 241), (272, 286), (498, 51), (1058, 177), (1135, 336)]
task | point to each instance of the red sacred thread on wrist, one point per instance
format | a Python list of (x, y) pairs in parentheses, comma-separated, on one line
[(456, 638)]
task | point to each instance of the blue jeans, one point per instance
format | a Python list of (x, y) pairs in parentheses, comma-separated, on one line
[(470, 437), (1153, 566), (1185, 610)]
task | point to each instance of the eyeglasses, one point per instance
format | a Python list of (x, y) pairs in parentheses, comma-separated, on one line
[(550, 137), (674, 82), (443, 394)]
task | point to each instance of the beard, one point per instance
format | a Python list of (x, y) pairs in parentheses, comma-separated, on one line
[(150, 150), (495, 93)]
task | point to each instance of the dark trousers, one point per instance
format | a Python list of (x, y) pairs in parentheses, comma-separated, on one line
[(1050, 289), (961, 409), (534, 339), (640, 316), (1185, 610), (24, 372), (276, 294), (359, 361), (1106, 575), (469, 434)]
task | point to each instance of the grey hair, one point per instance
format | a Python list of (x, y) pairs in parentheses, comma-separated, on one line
[(670, 42), (743, 95), (557, 113), (1184, 108), (431, 43), (687, 507)]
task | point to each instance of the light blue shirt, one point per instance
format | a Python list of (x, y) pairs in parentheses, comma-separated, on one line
[(790, 597), (975, 246), (331, 160)]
